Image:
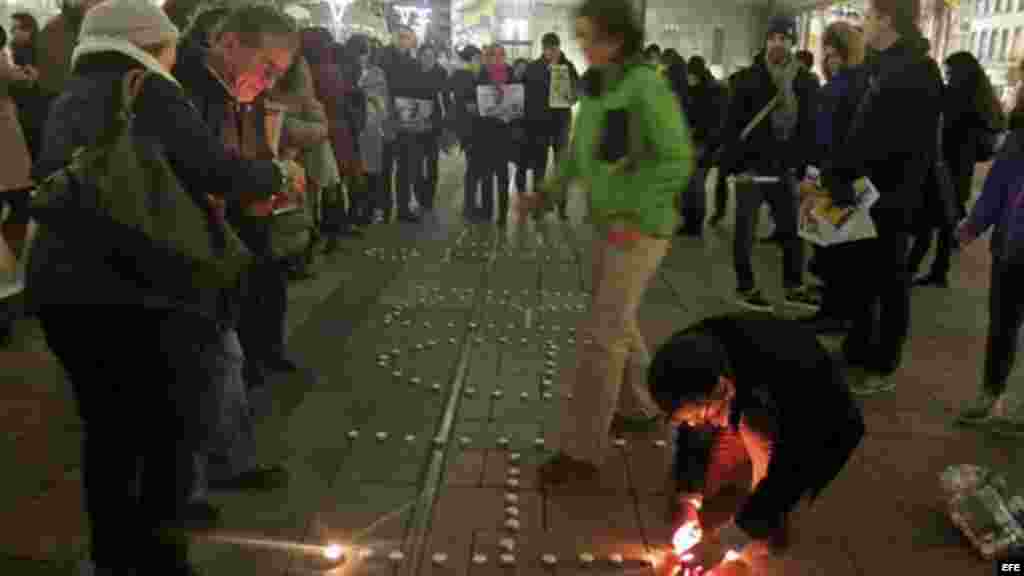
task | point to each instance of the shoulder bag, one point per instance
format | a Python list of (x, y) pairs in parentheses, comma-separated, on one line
[(126, 184)]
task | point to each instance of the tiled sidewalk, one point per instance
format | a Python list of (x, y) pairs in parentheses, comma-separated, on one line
[(459, 314)]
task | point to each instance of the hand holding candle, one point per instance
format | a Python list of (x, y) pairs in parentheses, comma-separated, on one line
[(296, 181)]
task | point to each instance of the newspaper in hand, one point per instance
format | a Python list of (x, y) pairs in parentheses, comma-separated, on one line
[(825, 224), (560, 92)]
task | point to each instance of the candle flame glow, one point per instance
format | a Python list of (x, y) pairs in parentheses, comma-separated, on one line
[(732, 555), (333, 551), (686, 537)]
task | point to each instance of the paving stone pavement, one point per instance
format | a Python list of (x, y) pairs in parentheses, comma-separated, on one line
[(437, 351)]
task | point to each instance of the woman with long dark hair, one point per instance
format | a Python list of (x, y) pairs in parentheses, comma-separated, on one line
[(971, 116), (331, 90)]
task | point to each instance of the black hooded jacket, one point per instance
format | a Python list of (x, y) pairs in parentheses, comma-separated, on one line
[(893, 136), (762, 152), (790, 390)]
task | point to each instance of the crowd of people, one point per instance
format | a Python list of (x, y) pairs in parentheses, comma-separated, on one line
[(735, 388), (279, 142)]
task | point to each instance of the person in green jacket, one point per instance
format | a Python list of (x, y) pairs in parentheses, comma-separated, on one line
[(631, 152)]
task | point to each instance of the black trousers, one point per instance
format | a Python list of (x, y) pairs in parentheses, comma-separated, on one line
[(1005, 315), (387, 173), (721, 194), (471, 182), (137, 379), (943, 250), (694, 201), (264, 303), (492, 159), (880, 303), (782, 199), (376, 190), (838, 268), (542, 137), (408, 154), (426, 187)]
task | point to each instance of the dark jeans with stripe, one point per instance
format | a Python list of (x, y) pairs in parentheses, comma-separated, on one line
[(1005, 315), (783, 200)]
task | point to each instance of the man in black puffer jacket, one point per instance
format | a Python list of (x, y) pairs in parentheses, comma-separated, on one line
[(904, 92)]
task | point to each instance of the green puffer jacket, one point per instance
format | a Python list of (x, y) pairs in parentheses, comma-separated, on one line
[(637, 113)]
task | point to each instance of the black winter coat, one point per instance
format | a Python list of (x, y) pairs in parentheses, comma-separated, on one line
[(224, 116), (705, 108), (537, 82), (497, 137), (789, 389), (68, 268), (841, 108), (893, 138), (761, 152)]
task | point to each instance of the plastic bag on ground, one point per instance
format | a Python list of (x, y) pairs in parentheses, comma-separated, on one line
[(983, 507)]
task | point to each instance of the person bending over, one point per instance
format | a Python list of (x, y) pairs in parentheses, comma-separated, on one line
[(782, 422)]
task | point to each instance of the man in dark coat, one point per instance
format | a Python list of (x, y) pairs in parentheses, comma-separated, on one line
[(772, 397), (905, 91), (704, 101), (547, 128), (768, 157), (226, 84)]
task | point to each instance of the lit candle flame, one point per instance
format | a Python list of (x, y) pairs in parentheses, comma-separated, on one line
[(732, 556), (686, 537), (333, 552)]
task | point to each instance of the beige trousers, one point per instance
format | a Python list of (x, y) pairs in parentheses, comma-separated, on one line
[(612, 357)]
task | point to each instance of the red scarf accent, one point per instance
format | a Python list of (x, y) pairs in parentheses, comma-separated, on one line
[(498, 73)]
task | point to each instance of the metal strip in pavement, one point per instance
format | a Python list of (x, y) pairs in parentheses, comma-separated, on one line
[(435, 470)]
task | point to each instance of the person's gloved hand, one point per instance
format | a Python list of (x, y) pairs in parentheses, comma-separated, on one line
[(964, 235), (742, 549), (843, 194)]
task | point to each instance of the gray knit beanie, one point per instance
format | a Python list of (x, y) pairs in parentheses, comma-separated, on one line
[(136, 21)]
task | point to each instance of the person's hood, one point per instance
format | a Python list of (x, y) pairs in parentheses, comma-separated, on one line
[(317, 45), (98, 44)]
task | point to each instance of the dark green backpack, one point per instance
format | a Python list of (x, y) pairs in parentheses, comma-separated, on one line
[(123, 189)]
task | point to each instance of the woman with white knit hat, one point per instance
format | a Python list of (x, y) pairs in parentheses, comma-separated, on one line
[(135, 350)]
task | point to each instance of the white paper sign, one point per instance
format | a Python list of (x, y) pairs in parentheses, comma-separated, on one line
[(816, 228), (413, 113), (506, 103), (560, 94)]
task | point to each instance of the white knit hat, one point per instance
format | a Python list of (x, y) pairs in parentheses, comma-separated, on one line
[(137, 21)]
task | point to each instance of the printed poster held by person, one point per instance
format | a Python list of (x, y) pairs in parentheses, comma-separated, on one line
[(824, 224), (505, 103)]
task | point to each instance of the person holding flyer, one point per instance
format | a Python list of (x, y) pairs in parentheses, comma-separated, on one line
[(551, 83), (906, 91)]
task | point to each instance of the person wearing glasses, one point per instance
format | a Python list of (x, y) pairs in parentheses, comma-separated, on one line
[(748, 383)]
